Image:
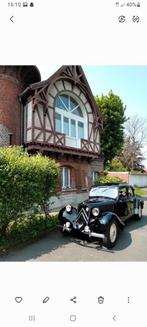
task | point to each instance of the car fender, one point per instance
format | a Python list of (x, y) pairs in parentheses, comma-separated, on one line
[(108, 216), (64, 216)]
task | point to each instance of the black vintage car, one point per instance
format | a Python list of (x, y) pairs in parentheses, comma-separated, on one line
[(103, 214)]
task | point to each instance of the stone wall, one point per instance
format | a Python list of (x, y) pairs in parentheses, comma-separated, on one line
[(97, 165), (4, 136), (67, 198)]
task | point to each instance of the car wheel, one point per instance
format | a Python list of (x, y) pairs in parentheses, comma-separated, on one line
[(111, 234), (138, 216)]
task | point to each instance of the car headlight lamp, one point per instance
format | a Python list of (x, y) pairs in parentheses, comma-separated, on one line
[(87, 229), (68, 208), (67, 224), (95, 212)]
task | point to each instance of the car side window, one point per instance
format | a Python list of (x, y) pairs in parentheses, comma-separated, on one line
[(130, 192), (122, 193)]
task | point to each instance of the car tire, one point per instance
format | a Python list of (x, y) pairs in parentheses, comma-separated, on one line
[(139, 215), (111, 234)]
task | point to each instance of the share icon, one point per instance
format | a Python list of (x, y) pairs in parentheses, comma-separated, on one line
[(74, 299)]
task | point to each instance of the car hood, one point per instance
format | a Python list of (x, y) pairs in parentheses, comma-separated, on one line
[(99, 202)]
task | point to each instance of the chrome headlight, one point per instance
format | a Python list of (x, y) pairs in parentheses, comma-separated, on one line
[(68, 208), (67, 224), (86, 229), (95, 212)]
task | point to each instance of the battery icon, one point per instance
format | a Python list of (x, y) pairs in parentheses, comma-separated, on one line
[(25, 4)]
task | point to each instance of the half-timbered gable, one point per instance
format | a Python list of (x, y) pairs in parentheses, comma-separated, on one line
[(62, 113), (61, 119)]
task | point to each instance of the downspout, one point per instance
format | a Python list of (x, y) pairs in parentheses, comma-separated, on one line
[(21, 122)]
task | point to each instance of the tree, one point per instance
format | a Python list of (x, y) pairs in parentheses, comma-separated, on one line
[(135, 128), (135, 137), (116, 165), (112, 135), (131, 156)]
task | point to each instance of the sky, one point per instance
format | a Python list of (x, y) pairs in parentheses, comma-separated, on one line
[(129, 82)]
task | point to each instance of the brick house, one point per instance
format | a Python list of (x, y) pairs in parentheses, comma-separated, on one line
[(58, 117)]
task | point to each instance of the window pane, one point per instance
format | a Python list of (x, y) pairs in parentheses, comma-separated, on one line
[(95, 175), (78, 112), (62, 102), (59, 104), (58, 122), (66, 125), (73, 128), (73, 103), (80, 130), (65, 100), (65, 177)]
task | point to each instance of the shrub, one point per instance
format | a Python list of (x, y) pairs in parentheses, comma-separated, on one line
[(116, 165), (24, 230), (108, 179), (24, 181)]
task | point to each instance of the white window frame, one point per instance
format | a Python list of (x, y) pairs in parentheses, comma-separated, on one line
[(70, 116), (63, 179), (76, 118)]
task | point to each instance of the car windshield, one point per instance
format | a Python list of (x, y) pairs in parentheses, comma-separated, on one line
[(104, 191)]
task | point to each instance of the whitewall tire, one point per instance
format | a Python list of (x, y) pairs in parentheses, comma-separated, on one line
[(111, 234)]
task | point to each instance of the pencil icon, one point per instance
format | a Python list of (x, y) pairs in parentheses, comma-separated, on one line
[(46, 299)]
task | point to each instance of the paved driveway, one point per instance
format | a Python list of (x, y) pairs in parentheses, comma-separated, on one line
[(131, 246)]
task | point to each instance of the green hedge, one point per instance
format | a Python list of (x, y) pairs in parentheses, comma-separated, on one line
[(26, 182), (27, 229), (108, 179)]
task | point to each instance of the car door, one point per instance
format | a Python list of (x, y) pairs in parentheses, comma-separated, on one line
[(130, 200), (124, 205)]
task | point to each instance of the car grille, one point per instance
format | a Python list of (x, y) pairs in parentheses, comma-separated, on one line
[(82, 218)]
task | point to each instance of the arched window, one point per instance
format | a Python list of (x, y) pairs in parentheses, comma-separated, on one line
[(70, 120), (65, 177)]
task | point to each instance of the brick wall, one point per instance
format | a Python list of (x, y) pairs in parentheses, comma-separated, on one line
[(10, 107), (124, 175), (80, 172)]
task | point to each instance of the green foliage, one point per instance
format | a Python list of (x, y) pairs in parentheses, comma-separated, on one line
[(25, 181), (108, 179), (116, 165), (140, 192), (26, 229), (112, 135)]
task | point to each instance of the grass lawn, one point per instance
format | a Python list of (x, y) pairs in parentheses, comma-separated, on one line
[(140, 191)]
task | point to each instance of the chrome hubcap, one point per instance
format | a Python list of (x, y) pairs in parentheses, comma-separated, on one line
[(113, 233)]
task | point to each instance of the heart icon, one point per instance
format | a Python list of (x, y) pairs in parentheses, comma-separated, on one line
[(18, 299)]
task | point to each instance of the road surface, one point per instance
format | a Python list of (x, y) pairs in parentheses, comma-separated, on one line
[(131, 246)]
